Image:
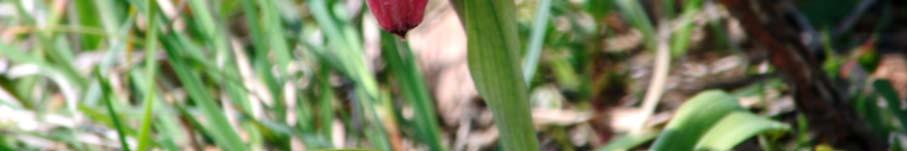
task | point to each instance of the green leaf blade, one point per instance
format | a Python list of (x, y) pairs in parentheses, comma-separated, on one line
[(735, 128), (694, 118), (493, 55)]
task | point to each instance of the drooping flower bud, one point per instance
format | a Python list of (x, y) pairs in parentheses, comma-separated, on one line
[(398, 16)]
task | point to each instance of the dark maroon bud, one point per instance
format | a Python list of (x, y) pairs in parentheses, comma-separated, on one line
[(398, 16)]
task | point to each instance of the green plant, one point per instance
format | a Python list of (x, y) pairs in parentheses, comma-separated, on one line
[(493, 55), (301, 75), (711, 120)]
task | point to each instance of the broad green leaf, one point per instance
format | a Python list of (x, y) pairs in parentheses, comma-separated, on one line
[(694, 118), (735, 128), (493, 55)]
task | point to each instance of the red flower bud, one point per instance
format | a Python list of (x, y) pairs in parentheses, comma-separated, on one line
[(398, 16)]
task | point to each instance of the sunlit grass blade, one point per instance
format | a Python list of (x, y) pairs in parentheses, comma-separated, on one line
[(537, 40), (150, 72), (164, 120), (223, 133)]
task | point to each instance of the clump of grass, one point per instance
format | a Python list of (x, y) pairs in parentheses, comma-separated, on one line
[(294, 75)]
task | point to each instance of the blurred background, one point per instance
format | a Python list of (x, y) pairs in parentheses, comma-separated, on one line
[(316, 75)]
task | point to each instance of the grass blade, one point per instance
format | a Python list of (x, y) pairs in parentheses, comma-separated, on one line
[(261, 43), (150, 70), (224, 133), (228, 74), (107, 96), (634, 12), (539, 29), (409, 76)]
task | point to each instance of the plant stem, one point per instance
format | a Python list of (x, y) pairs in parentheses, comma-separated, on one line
[(107, 96), (403, 66), (150, 69), (539, 29)]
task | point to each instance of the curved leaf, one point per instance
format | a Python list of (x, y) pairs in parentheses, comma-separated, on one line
[(694, 118), (736, 128)]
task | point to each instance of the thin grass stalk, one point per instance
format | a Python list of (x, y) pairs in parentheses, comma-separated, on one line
[(537, 40), (494, 64), (107, 97), (408, 75), (167, 131), (150, 70)]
